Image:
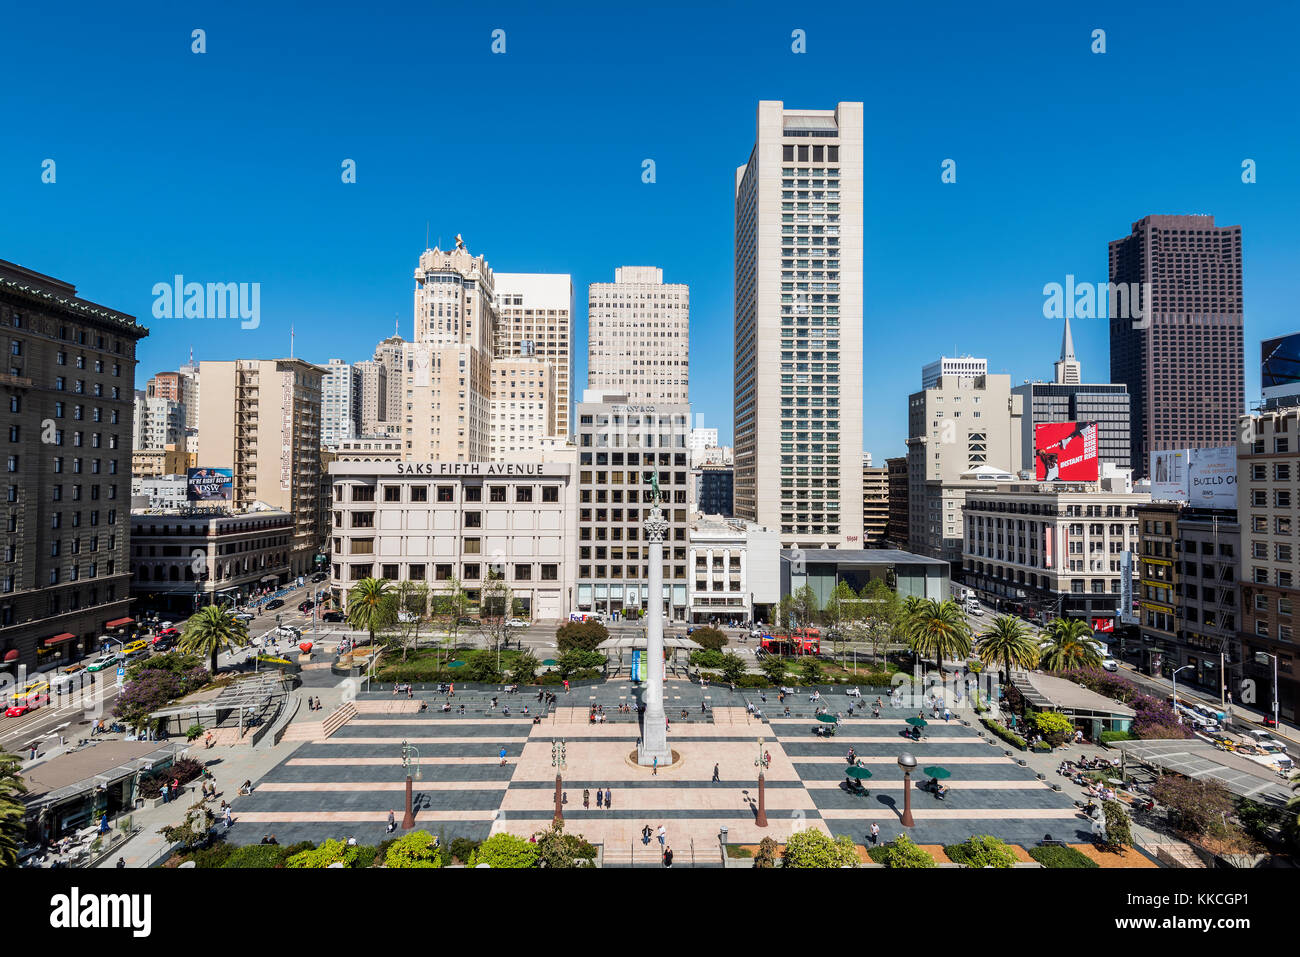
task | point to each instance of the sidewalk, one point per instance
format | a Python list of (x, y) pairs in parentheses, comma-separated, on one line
[(1236, 710)]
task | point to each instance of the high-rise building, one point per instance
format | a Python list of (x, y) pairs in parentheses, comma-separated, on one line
[(1068, 370), (961, 367), (798, 326), (64, 568), (1279, 371), (716, 488), (638, 336), (261, 418), (159, 422), (340, 403), (190, 391), (523, 407), (1268, 507), (702, 439), (896, 528), (963, 432), (1176, 332), (875, 504), (622, 448), (372, 377), (535, 319), (389, 355)]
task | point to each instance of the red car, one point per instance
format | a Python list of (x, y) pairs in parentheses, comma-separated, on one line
[(30, 703)]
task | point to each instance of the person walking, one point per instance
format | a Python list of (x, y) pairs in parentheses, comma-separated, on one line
[(645, 835), (600, 799), (875, 834), (655, 766), (566, 685), (586, 798), (121, 862), (668, 857), (392, 822), (663, 836), (609, 799), (716, 777), (502, 754), (228, 822)]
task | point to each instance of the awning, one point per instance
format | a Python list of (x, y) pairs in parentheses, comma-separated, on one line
[(58, 639), (119, 622), (11, 655)]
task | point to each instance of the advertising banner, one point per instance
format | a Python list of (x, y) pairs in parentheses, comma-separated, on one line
[(1206, 478), (1065, 452), (209, 485), (1169, 475), (1279, 366), (637, 666)]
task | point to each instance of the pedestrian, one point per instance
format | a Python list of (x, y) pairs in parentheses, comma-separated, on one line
[(502, 754), (668, 857), (600, 799), (645, 835), (227, 818), (566, 685), (392, 822), (663, 836), (163, 792), (609, 799), (716, 777), (586, 798), (655, 766), (875, 834)]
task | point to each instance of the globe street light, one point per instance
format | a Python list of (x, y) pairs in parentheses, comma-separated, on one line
[(907, 761), (1261, 657)]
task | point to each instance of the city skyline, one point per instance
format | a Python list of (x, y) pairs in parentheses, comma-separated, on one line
[(332, 258)]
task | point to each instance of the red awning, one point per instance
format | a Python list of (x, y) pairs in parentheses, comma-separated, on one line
[(11, 655), (60, 638), (119, 622)]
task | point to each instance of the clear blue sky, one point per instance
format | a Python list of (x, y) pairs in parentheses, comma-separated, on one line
[(226, 166)]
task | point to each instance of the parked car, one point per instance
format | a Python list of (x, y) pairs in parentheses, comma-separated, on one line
[(30, 703), (275, 603), (242, 616), (108, 660), (333, 616), (1110, 664), (516, 623), (471, 622)]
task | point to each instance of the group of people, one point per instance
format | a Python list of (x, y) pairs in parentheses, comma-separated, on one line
[(604, 799), (666, 850), (595, 715), (313, 703)]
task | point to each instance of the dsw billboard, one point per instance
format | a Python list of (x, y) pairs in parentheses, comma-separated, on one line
[(209, 485), (1065, 452), (1206, 478)]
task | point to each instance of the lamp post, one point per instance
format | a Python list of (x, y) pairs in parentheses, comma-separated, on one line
[(907, 761), (410, 757), (558, 762), (1261, 657), (761, 763), (1175, 676)]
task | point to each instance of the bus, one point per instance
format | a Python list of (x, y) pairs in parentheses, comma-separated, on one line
[(802, 641)]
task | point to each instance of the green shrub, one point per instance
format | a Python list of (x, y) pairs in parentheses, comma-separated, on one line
[(707, 658), (462, 849), (1062, 856), (417, 849), (766, 856), (1119, 832), (193, 731), (812, 848), (878, 853), (331, 852), (257, 855), (1054, 727), (733, 667), (708, 637), (981, 850), (214, 856), (504, 849), (1108, 736), (902, 853), (1004, 733)]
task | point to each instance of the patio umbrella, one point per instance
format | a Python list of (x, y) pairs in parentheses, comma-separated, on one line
[(550, 662), (854, 771), (827, 718), (917, 722), (938, 772), (455, 664)]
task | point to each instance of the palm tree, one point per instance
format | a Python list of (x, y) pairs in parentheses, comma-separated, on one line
[(370, 605), (1008, 644), (12, 810), (938, 629), (210, 631), (1069, 646)]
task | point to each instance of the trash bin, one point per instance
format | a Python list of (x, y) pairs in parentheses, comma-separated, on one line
[(724, 834)]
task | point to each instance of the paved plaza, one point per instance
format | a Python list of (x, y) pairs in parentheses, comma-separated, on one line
[(344, 785)]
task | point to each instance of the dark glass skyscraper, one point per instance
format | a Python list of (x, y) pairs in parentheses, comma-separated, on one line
[(1178, 347)]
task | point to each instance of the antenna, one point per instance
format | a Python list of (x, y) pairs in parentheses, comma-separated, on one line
[(291, 340), (426, 234)]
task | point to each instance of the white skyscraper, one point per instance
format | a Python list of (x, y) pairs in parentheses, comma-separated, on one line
[(340, 403), (961, 367), (639, 336), (535, 318), (798, 357)]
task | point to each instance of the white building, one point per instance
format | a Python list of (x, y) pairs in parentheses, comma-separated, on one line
[(798, 321), (523, 407), (735, 568), (159, 422), (159, 491), (535, 319), (962, 367), (638, 336), (702, 439), (340, 403)]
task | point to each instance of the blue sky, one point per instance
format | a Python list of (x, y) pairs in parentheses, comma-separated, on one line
[(225, 166)]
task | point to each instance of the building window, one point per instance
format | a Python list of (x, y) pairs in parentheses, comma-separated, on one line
[(523, 493), (419, 493), (550, 573), (497, 493), (523, 573), (446, 493)]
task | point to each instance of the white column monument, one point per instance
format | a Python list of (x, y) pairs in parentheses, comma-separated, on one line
[(654, 724)]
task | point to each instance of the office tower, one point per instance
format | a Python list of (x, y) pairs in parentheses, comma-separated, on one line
[(1268, 507), (372, 377), (715, 485), (622, 446), (64, 569), (389, 355), (1068, 370), (966, 367), (702, 439), (261, 418), (1180, 351), (535, 318), (962, 432), (638, 336), (875, 503), (158, 422), (523, 407), (798, 353), (1279, 371), (340, 403), (190, 391), (896, 529)]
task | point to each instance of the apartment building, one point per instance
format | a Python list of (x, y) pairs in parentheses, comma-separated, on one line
[(168, 460), (639, 336), (261, 418), (715, 486), (430, 522), (896, 528), (523, 407), (953, 367), (798, 319), (875, 504), (340, 403), (64, 569), (535, 320), (158, 422)]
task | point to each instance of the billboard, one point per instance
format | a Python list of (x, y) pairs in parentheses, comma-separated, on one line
[(1279, 366), (1065, 452), (209, 485), (1205, 478)]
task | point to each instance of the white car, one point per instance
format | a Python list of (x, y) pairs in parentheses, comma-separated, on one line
[(242, 616), (1110, 664), (516, 623)]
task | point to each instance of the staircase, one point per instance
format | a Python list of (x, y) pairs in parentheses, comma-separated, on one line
[(320, 730)]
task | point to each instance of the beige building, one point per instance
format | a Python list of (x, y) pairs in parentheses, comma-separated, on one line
[(798, 320), (523, 407), (962, 430), (370, 449), (535, 318), (429, 522), (387, 414), (875, 504), (150, 463), (262, 419), (639, 336)]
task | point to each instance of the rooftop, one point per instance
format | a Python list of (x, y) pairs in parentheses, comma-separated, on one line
[(862, 556)]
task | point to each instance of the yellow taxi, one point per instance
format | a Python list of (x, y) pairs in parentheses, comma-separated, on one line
[(135, 648)]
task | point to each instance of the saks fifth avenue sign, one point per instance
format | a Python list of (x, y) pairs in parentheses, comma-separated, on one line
[(469, 468)]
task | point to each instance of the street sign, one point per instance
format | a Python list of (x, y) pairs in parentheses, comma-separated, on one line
[(121, 675)]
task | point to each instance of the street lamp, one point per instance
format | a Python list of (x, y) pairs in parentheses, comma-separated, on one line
[(1176, 712), (1261, 657), (410, 757), (907, 761), (761, 762)]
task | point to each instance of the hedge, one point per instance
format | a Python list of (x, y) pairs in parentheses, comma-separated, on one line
[(1108, 736), (1005, 734), (1061, 856)]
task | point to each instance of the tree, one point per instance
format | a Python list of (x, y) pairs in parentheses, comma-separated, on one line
[(194, 831), (1055, 728), (901, 852), (709, 637), (494, 609), (557, 849), (572, 662), (1069, 646), (525, 668), (843, 608), (812, 848), (1008, 645), (766, 856), (417, 849), (733, 666), (451, 604), (811, 669), (803, 606), (504, 849), (1194, 805), (370, 605), (211, 630), (982, 850), (411, 612), (774, 667), (882, 616), (13, 811), (1119, 832), (938, 630), (580, 636)]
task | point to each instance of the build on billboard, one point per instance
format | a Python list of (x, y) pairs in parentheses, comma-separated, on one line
[(1065, 452), (1205, 478), (1279, 366), (209, 485)]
